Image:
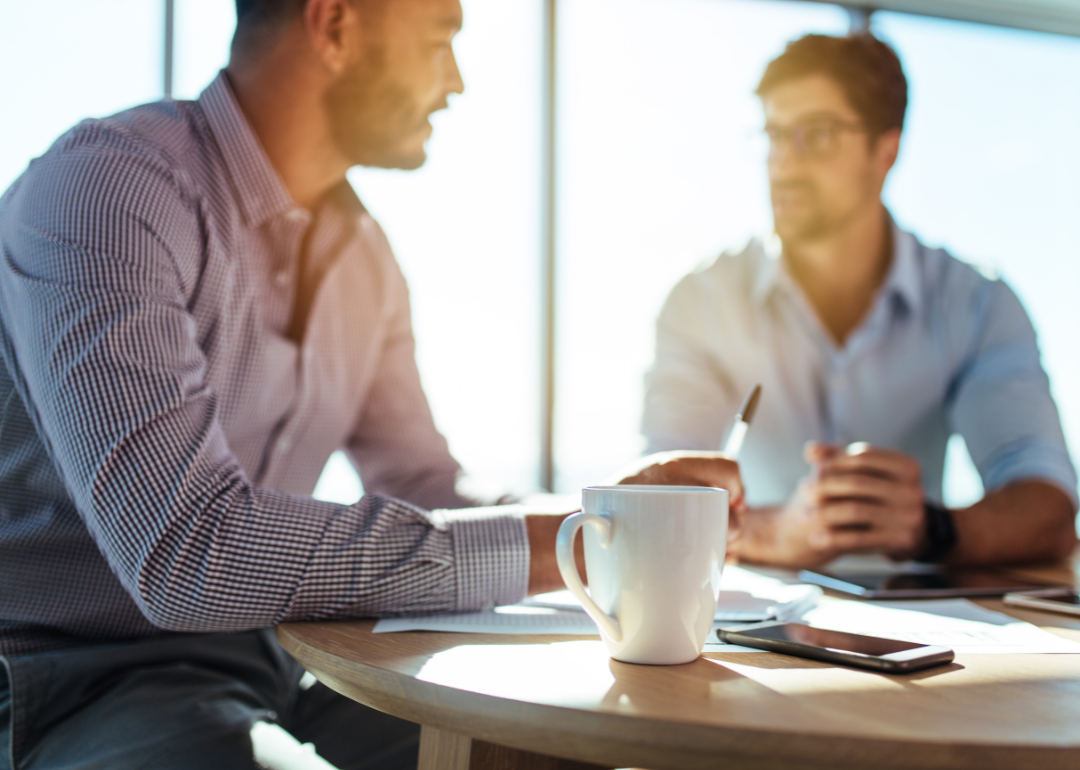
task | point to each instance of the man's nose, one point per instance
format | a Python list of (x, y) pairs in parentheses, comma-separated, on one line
[(782, 158), (455, 83)]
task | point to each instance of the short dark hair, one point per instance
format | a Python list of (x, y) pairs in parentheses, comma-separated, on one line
[(257, 10), (258, 20), (868, 71)]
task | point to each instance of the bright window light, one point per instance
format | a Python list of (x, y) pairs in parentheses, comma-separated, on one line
[(68, 60)]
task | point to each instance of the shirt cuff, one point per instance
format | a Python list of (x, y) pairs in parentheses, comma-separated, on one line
[(491, 556)]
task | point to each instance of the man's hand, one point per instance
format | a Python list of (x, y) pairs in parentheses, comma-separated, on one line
[(857, 499), (544, 575), (692, 469), (867, 499)]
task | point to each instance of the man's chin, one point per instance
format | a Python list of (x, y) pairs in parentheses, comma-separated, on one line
[(402, 161), (409, 162), (792, 230)]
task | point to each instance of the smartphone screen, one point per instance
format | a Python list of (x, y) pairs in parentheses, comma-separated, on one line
[(831, 640)]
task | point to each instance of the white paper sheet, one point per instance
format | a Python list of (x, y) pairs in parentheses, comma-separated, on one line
[(745, 597), (958, 624), (721, 647), (516, 619)]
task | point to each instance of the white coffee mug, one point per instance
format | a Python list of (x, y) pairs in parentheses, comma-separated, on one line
[(653, 555)]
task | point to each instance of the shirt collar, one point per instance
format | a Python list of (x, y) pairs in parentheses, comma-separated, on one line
[(770, 268), (260, 191), (902, 280)]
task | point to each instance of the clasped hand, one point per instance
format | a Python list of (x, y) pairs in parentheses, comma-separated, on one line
[(857, 499)]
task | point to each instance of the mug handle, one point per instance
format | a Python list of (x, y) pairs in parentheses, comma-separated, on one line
[(564, 553)]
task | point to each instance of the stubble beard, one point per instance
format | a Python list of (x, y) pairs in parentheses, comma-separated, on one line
[(810, 226), (369, 116)]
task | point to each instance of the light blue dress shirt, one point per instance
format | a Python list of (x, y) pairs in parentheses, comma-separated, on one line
[(944, 349)]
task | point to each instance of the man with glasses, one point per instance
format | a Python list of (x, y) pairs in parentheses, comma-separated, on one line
[(872, 350)]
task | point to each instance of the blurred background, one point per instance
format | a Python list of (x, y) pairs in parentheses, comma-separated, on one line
[(658, 168)]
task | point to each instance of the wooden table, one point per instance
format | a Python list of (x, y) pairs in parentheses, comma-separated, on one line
[(559, 701)]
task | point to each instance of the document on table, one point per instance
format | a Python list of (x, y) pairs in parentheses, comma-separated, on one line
[(745, 597), (515, 619), (748, 596), (958, 624), (955, 623)]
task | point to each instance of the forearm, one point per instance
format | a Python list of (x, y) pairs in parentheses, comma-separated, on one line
[(544, 575), (1025, 521)]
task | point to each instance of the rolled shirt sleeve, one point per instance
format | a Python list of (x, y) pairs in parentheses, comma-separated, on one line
[(103, 351), (1000, 401)]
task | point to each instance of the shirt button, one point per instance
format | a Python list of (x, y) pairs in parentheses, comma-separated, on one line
[(281, 278), (284, 445), (296, 215)]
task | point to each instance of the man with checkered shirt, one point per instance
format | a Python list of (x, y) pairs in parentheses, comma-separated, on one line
[(195, 312)]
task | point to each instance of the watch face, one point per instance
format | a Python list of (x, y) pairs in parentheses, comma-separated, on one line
[(940, 533)]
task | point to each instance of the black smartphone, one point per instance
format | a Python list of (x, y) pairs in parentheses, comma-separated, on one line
[(1064, 600), (889, 656)]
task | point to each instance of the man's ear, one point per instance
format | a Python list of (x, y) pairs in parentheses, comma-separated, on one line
[(887, 149), (333, 27)]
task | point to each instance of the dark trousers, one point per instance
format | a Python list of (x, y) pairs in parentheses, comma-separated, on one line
[(181, 703)]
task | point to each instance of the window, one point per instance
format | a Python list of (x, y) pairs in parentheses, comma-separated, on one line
[(204, 29), (67, 60)]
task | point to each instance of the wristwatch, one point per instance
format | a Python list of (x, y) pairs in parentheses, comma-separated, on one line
[(940, 534)]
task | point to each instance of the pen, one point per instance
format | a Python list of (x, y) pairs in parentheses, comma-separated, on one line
[(734, 442)]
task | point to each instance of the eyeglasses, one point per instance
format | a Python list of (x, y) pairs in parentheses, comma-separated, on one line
[(817, 139)]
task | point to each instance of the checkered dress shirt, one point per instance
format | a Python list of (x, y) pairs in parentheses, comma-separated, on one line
[(160, 432)]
